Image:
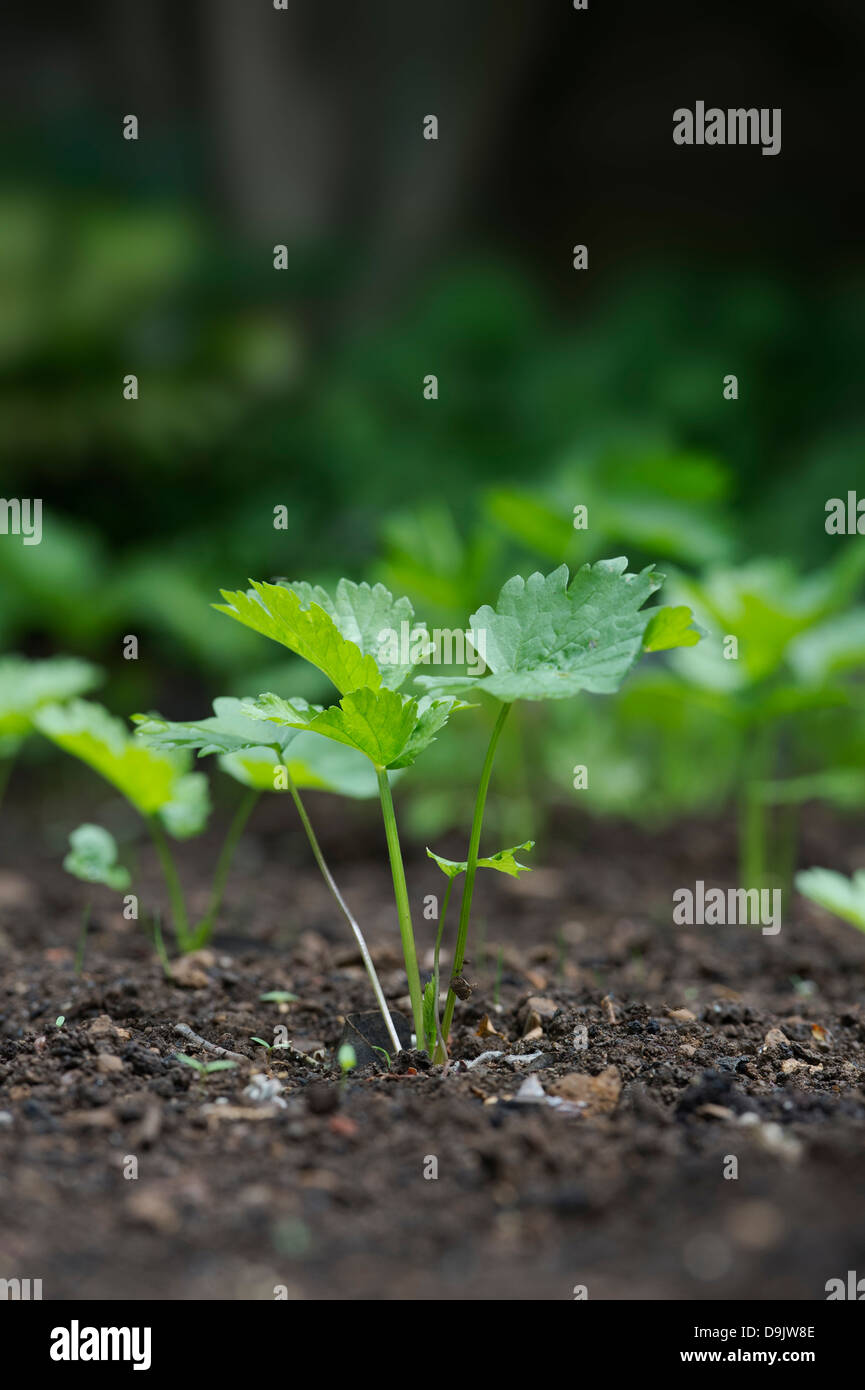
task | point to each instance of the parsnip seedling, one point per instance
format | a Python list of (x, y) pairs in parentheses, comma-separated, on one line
[(92, 858), (353, 638), (548, 639), (204, 1069), (158, 784)]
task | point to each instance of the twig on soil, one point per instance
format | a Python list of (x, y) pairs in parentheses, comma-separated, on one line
[(186, 1032)]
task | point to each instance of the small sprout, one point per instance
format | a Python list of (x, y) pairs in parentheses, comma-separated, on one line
[(347, 1058), (278, 996), (385, 1054), (262, 1043), (204, 1069), (59, 1020)]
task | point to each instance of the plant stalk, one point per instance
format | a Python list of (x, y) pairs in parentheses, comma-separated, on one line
[(472, 864), (173, 884), (204, 930), (346, 912), (402, 906), (441, 1051)]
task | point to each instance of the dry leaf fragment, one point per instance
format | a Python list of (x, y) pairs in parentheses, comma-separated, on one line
[(486, 1030)]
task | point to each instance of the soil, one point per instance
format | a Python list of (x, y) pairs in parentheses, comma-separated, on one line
[(701, 1138)]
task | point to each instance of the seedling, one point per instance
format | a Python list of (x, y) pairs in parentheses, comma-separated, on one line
[(159, 785), (278, 996), (347, 1059), (59, 1021), (27, 685), (547, 639), (92, 858), (544, 641), (204, 1069), (353, 638), (794, 649)]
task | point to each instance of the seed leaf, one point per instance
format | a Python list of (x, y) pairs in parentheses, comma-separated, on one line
[(843, 896)]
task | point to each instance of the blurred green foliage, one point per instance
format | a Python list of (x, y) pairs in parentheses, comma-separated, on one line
[(261, 390)]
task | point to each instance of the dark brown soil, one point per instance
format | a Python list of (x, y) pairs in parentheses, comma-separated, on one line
[(619, 1187)]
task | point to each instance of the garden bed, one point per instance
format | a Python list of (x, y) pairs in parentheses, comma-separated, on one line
[(704, 1045)]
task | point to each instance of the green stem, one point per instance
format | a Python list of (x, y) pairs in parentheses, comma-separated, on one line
[(5, 774), (472, 864), (204, 930), (441, 1052), (172, 881), (346, 912), (402, 906), (753, 812)]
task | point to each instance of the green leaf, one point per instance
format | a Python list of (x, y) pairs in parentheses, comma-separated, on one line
[(389, 728), (93, 857), (836, 645), (504, 861), (25, 685), (227, 730), (379, 625), (315, 764), (671, 627), (311, 632), (771, 611), (251, 749), (429, 1010), (546, 640), (156, 782), (843, 896)]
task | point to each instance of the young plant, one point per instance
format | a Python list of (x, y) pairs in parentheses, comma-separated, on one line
[(92, 858), (843, 896), (548, 639), (159, 785), (27, 685), (367, 644), (505, 863), (347, 1059), (204, 1069), (257, 755), (779, 651)]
